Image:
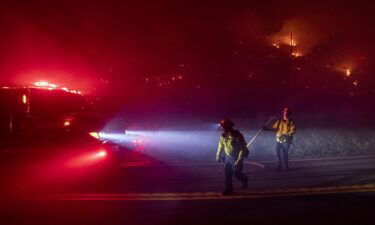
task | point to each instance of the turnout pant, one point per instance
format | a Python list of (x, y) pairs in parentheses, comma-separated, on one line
[(282, 150), (230, 169)]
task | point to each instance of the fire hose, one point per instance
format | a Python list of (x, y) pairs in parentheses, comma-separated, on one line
[(260, 131)]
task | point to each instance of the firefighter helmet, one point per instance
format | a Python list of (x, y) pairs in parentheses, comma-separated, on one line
[(226, 123)]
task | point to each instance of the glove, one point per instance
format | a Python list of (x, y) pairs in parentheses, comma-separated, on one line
[(238, 163), (237, 168)]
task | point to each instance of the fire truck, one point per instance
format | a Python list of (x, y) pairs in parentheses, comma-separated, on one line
[(39, 106), (45, 118)]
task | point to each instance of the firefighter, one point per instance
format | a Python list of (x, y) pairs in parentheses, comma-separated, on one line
[(232, 151), (285, 130)]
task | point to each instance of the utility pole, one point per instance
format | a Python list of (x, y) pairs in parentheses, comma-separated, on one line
[(291, 44)]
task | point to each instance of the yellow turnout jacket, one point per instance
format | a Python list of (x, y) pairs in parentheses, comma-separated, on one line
[(285, 130), (233, 144)]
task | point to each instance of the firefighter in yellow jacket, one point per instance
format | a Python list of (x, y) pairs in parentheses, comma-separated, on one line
[(232, 151), (285, 130)]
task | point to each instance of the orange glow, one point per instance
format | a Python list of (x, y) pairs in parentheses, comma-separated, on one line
[(285, 40), (348, 72), (24, 99), (67, 123), (94, 135), (296, 54), (293, 43), (346, 69)]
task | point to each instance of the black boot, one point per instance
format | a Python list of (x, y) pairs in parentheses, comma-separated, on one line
[(245, 184)]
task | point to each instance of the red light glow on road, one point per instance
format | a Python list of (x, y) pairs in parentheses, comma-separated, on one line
[(101, 154), (61, 168), (87, 159)]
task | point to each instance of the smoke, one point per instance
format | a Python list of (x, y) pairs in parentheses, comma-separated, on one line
[(337, 31), (303, 35), (133, 50)]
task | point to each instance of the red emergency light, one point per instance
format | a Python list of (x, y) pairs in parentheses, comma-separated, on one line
[(24, 99)]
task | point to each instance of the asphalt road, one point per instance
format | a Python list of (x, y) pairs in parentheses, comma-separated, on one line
[(318, 191)]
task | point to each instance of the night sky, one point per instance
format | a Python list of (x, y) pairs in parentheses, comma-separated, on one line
[(185, 55)]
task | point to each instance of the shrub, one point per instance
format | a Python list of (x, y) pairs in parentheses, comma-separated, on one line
[(319, 143)]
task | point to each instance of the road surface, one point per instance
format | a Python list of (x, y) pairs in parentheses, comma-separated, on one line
[(317, 191)]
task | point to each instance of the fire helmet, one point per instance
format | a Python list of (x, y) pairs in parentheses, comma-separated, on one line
[(226, 123)]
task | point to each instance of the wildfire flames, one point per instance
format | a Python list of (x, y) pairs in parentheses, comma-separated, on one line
[(348, 72)]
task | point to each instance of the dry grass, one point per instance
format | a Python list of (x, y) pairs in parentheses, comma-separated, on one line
[(320, 143)]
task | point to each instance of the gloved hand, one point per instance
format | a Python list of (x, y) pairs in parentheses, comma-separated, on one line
[(237, 168), (238, 163)]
